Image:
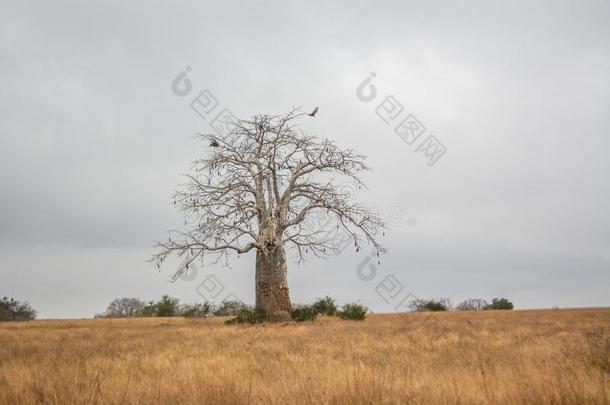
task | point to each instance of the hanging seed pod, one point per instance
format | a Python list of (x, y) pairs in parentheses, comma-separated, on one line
[(357, 250), (378, 253), (378, 262), (384, 234)]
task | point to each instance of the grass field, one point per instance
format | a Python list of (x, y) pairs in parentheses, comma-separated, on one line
[(546, 356)]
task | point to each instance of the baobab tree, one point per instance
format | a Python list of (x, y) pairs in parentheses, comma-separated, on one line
[(261, 180)]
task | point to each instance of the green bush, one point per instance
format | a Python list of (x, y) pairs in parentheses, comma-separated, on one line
[(197, 310), (248, 315), (230, 308), (354, 312), (301, 313), (167, 306), (499, 303), (325, 306), (148, 310), (425, 305), (13, 310), (435, 306)]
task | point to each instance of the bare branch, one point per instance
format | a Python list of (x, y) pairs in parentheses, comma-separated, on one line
[(258, 185)]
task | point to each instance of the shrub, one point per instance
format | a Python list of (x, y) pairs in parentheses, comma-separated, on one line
[(167, 306), (248, 314), (301, 313), (500, 303), (354, 312), (197, 310), (230, 308), (430, 305), (148, 310), (472, 304), (13, 310), (325, 306)]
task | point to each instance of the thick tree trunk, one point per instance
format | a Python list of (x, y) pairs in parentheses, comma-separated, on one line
[(272, 285)]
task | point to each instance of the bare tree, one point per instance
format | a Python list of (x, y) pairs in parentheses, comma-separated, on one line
[(261, 180), (472, 304), (124, 308)]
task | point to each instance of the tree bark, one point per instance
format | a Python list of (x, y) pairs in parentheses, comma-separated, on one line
[(272, 284)]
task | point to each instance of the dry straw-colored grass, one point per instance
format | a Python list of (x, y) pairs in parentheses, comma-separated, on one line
[(551, 356)]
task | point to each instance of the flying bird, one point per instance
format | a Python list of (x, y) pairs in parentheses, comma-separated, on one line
[(313, 113), (214, 144)]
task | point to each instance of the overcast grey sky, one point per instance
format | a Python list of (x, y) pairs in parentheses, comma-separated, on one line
[(93, 141)]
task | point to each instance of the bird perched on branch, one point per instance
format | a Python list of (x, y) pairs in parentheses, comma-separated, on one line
[(214, 144), (313, 113)]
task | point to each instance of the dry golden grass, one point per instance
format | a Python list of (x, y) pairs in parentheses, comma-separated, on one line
[(551, 356)]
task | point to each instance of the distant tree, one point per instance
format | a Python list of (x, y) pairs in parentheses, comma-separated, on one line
[(134, 307), (500, 303), (167, 306), (472, 304), (124, 308), (149, 309), (13, 310), (197, 310), (230, 308), (430, 305)]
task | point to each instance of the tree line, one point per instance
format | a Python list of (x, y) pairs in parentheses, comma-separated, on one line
[(169, 306), (14, 310), (471, 304)]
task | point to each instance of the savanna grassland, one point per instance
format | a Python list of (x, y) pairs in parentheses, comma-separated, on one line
[(533, 357)]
